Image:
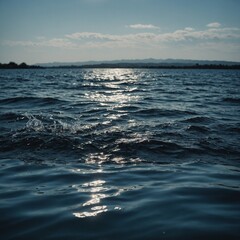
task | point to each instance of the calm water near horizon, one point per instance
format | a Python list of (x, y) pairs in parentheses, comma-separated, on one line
[(119, 154)]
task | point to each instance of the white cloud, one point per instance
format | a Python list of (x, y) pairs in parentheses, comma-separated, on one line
[(189, 29), (92, 35), (214, 25), (178, 35), (216, 43), (110, 37), (54, 42), (92, 40), (143, 26)]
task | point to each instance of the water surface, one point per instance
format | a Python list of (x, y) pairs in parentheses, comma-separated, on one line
[(119, 154)]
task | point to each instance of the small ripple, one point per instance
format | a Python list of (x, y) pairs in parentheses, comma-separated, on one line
[(198, 120), (30, 100), (12, 116), (231, 100), (163, 112), (200, 129)]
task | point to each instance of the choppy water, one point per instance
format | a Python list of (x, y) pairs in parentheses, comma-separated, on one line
[(119, 154)]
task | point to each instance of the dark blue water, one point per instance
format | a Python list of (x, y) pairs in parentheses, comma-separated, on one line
[(119, 154)]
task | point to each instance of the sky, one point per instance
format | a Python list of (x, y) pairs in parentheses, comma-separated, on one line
[(40, 31)]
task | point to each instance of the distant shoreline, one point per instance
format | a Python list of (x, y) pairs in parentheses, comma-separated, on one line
[(13, 65), (153, 66)]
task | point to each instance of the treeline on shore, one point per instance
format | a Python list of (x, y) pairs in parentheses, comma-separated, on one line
[(13, 65)]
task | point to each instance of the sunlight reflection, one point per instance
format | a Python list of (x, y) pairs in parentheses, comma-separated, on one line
[(86, 171), (95, 211), (94, 183), (95, 198), (112, 74), (97, 189), (98, 158), (114, 84)]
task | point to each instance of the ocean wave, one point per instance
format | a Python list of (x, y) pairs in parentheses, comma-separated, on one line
[(217, 147), (30, 100), (163, 112), (11, 116), (200, 129), (198, 119), (231, 100), (75, 136)]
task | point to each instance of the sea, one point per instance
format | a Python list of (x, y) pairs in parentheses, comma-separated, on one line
[(119, 154)]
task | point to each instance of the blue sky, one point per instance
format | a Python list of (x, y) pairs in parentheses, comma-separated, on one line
[(37, 31)]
